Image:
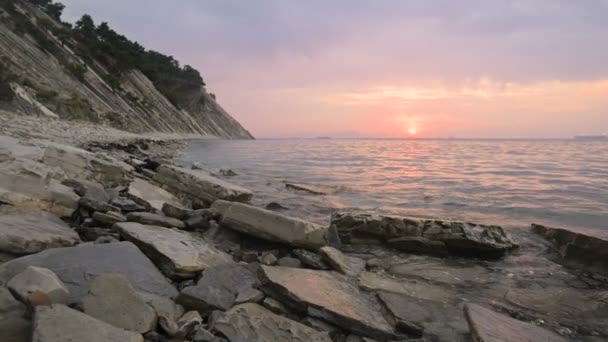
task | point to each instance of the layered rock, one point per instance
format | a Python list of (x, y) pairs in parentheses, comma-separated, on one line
[(78, 266), (328, 296), (489, 326), (28, 231), (155, 220), (58, 323), (578, 246), (150, 195), (270, 225), (177, 254), (198, 186), (426, 236), (252, 322)]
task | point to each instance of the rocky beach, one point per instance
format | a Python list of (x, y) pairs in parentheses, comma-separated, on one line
[(104, 236)]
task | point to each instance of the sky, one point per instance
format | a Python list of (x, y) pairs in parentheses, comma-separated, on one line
[(386, 68)]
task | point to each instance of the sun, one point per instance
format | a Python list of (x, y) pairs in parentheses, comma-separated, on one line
[(413, 131)]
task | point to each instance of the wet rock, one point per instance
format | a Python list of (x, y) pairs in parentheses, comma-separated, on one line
[(328, 296), (270, 225), (112, 299), (275, 306), (227, 173), (577, 247), (202, 188), (78, 163), (155, 220), (251, 322), (78, 266), (489, 326), (13, 327), (26, 183), (315, 189), (177, 254), (58, 323), (275, 206), (37, 279), (218, 288), (150, 196), (350, 266), (126, 204), (419, 245), (289, 262), (461, 238), (310, 259), (108, 218), (28, 231)]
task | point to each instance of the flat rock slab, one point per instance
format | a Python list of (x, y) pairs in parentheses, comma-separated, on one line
[(58, 323), (178, 254), (78, 266), (344, 264), (113, 300), (42, 280), (328, 296), (28, 231), (489, 326), (585, 247), (199, 186), (252, 322), (417, 289), (461, 238), (151, 196), (270, 225), (315, 189), (445, 272), (26, 183), (155, 220)]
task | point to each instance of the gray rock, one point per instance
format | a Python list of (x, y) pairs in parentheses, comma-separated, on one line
[(37, 279), (249, 296), (578, 247), (251, 322), (188, 323), (78, 163), (112, 299), (26, 183), (78, 266), (198, 186), (153, 336), (271, 226), (203, 335), (58, 323), (105, 239), (94, 233), (198, 222), (310, 259), (419, 245), (461, 238), (422, 290), (275, 206), (328, 296), (155, 220), (177, 254), (275, 306), (218, 288), (163, 306), (108, 218), (489, 326), (150, 196), (28, 231), (95, 205), (344, 264), (126, 204), (13, 327), (289, 262), (268, 259), (89, 189), (177, 212)]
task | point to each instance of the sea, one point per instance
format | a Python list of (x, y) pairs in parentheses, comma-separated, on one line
[(512, 183)]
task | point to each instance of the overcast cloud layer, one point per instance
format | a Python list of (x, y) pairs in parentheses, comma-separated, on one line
[(471, 68)]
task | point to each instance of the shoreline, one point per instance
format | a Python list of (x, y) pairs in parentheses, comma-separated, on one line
[(203, 260)]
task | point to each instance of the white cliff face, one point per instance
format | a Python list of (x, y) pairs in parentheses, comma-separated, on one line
[(43, 86)]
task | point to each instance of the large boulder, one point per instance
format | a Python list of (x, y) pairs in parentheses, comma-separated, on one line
[(430, 236), (26, 183), (489, 326), (585, 247), (177, 254), (151, 196), (198, 186), (58, 323), (113, 300), (252, 322), (79, 163), (42, 280), (270, 225), (328, 296), (218, 288), (28, 231), (78, 266)]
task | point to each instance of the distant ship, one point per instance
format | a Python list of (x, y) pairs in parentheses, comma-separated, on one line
[(602, 137)]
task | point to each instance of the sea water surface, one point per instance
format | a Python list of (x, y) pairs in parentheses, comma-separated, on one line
[(507, 182)]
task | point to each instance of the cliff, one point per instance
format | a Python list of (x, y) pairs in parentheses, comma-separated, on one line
[(41, 73)]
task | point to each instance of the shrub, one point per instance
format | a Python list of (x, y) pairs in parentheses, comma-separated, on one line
[(77, 70)]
